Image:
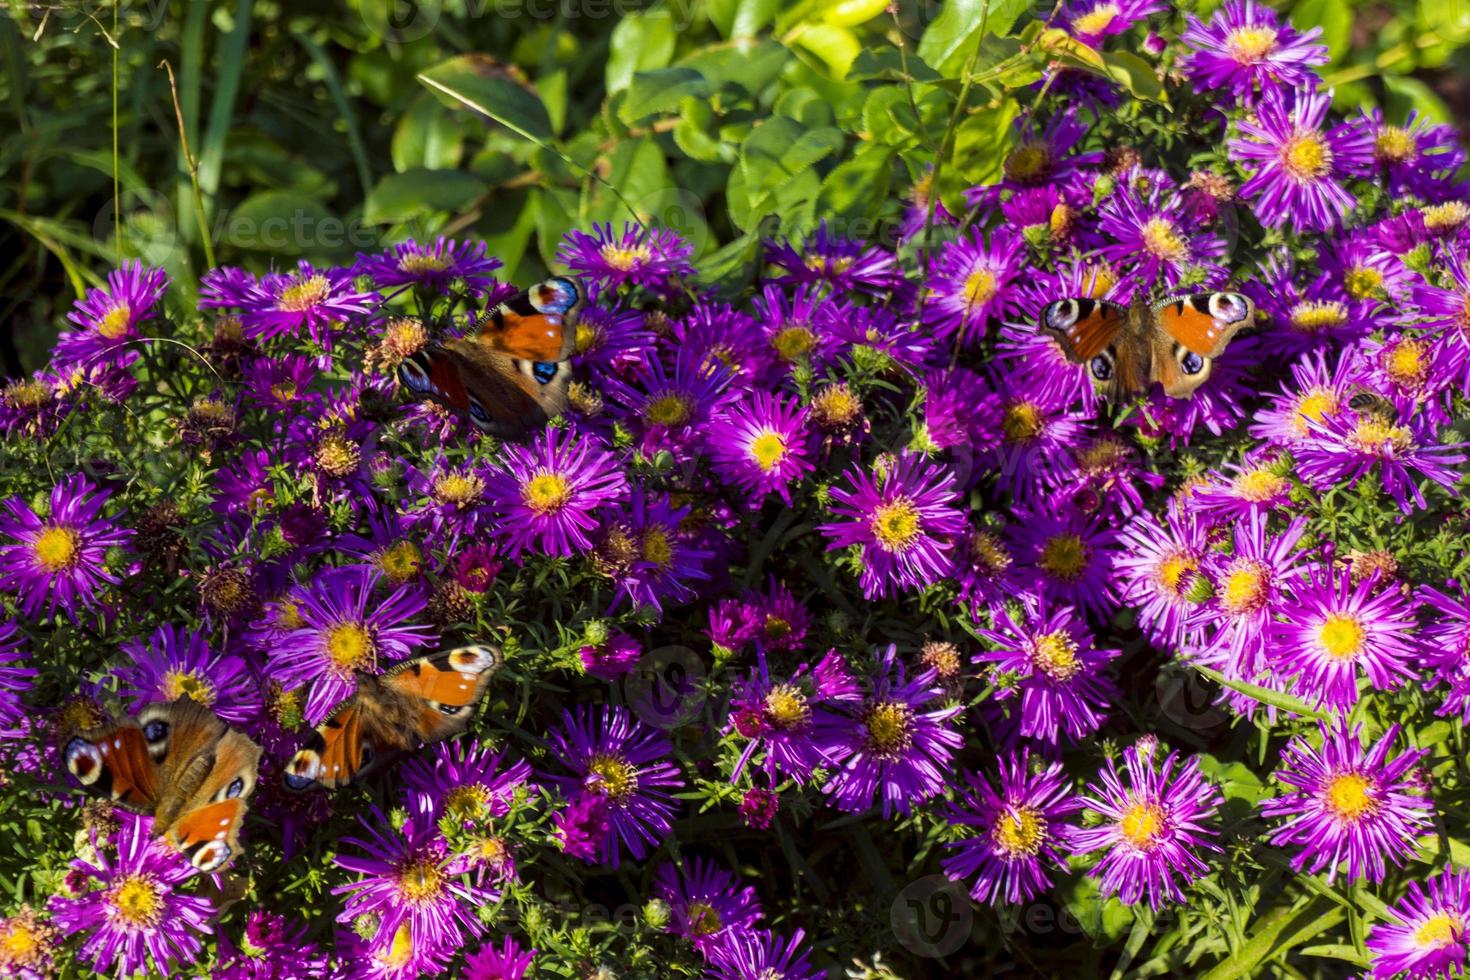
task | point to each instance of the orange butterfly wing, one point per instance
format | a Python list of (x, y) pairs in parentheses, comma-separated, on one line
[(446, 687), (206, 834), (1084, 327), (114, 760), (1205, 322), (535, 324)]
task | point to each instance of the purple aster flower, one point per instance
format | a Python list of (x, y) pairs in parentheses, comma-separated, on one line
[(504, 962), (107, 319), (178, 662), (1093, 20), (315, 301), (1419, 158), (795, 720), (792, 323), (272, 948), (385, 956), (970, 282), (1448, 311), (1350, 445), (902, 518), (761, 444), (453, 503), (1046, 656), (1246, 49), (654, 258), (345, 629), (1160, 572), (435, 267), (843, 264), (718, 333), (1043, 155), (874, 336), (1016, 831), (649, 554), (623, 762), (15, 680), (612, 658), (1153, 241), (32, 408), (1411, 371), (1237, 491), (1037, 443), (1347, 804), (582, 827), (1299, 164), (227, 287), (758, 808), (28, 946), (1335, 630), (760, 954), (409, 878), (898, 741), (463, 780), (1302, 317), (59, 559), (1426, 936), (546, 494), (708, 905), (780, 621), (1155, 822), (612, 338), (671, 409), (984, 569), (132, 912), (279, 384), (1314, 392), (1447, 647), (1069, 553)]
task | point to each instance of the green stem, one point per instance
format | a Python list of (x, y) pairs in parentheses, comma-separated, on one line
[(1277, 931)]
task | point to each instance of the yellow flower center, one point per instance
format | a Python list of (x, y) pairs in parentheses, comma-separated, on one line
[(1395, 144), (1317, 316), (669, 410), (589, 337), (1439, 930), (794, 342), (889, 725), (896, 524), (656, 547), (1313, 406), (283, 391), (137, 900), (546, 493), (987, 552), (980, 287), (420, 881), (614, 777), (1341, 636), (1375, 435), (786, 708), (703, 919), (768, 449), (625, 258), (1023, 422), (400, 951), (458, 489), (1064, 556), (350, 646), (1163, 241), (27, 394), (18, 943), (1405, 363), (399, 562), (304, 294), (178, 684), (115, 322), (1019, 832), (1259, 485), (288, 616), (1350, 797), (1306, 157), (1171, 572), (1055, 655), (820, 263), (775, 627), (1028, 162), (464, 803), (57, 548), (1247, 586), (1096, 20), (1061, 220), (1142, 825), (1098, 280), (418, 264), (1363, 281), (1248, 45), (1440, 218), (338, 455), (836, 405)]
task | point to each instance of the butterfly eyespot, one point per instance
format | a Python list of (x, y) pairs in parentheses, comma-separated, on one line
[(1101, 368), (368, 754), (83, 760), (1191, 363), (1229, 307), (1060, 315), (211, 856), (155, 731), (478, 413), (450, 709), (544, 371), (236, 787), (414, 376)]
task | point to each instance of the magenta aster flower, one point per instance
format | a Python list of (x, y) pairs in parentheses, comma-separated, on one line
[(1068, 554), (624, 763), (901, 517), (846, 265), (310, 300), (580, 828), (273, 948), (32, 408), (1350, 445), (345, 628), (1347, 805), (59, 559), (1426, 938), (1046, 657), (1152, 239), (612, 339), (1314, 392), (653, 558), (708, 905), (1447, 647), (15, 680), (671, 409), (970, 282), (1332, 631), (504, 962), (792, 322), (226, 287), (1245, 48), (546, 494), (1236, 491), (279, 384), (898, 741), (1419, 158), (1160, 571), (761, 445), (1039, 437), (1016, 832), (107, 319), (176, 663), (762, 954), (1094, 20), (1155, 823), (409, 880), (654, 258), (463, 780), (795, 720), (613, 657), (28, 946), (452, 503), (1298, 164), (131, 912), (435, 267)]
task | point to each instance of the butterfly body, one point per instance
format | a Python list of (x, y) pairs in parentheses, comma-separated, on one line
[(180, 763), (418, 701), (1127, 349), (511, 371)]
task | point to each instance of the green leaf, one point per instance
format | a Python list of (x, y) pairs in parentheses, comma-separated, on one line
[(692, 136), (401, 197), (742, 18), (951, 38), (427, 135), (640, 42), (483, 84), (654, 92), (1277, 931), (1137, 76), (1265, 695), (1335, 18), (837, 46), (282, 221), (1406, 93), (638, 170), (857, 188)]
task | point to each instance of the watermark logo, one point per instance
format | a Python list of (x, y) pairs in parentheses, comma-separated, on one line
[(932, 916)]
